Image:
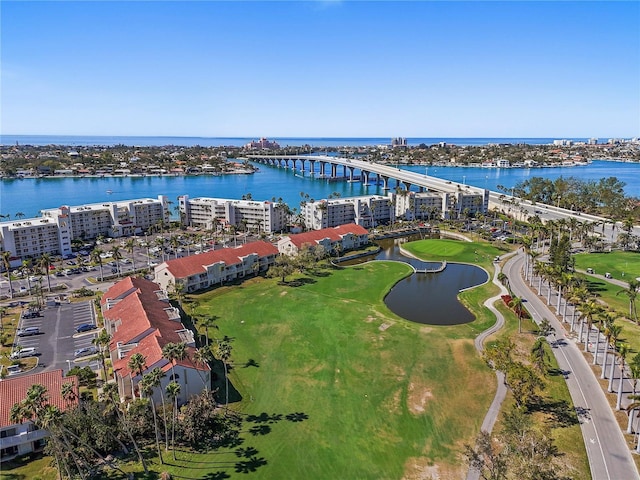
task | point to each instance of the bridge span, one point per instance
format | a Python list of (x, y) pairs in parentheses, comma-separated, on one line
[(456, 195)]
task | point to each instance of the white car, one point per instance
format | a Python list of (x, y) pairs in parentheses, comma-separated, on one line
[(24, 352)]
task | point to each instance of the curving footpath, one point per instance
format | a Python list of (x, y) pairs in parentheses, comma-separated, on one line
[(501, 391), (609, 455)]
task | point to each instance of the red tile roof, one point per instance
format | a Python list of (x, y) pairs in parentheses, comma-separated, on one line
[(187, 266), (145, 320), (14, 390), (334, 234)]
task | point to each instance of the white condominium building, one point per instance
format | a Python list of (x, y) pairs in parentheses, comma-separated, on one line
[(32, 237), (367, 211), (207, 213), (371, 210), (114, 219), (58, 227)]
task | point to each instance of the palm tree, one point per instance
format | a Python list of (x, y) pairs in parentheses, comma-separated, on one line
[(172, 352), (222, 350), (147, 384), (68, 392), (623, 351), (117, 256), (175, 244), (102, 341), (173, 390), (589, 310), (202, 357), (137, 364), (611, 334), (631, 408), (44, 263), (109, 391), (517, 305), (208, 322), (632, 293), (129, 246), (160, 244), (6, 261), (96, 258)]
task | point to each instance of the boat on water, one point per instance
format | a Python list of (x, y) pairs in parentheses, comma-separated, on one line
[(109, 192)]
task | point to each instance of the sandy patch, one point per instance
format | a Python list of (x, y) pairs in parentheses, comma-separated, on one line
[(283, 293), (422, 469), (426, 329), (384, 326), (417, 398), (392, 403), (369, 319)]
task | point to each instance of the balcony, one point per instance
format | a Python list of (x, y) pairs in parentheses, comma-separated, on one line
[(24, 437)]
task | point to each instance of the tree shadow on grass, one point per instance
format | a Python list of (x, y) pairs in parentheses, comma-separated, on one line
[(297, 417), (560, 412), (250, 465), (258, 430), (264, 417), (595, 287), (299, 282), (251, 363), (321, 273)]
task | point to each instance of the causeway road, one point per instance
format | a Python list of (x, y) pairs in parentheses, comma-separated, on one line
[(609, 455)]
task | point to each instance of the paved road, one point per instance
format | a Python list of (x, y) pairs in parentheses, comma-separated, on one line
[(609, 455)]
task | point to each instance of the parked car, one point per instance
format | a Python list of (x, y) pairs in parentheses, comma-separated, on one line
[(27, 332), (13, 369), (24, 352), (85, 351), (85, 327)]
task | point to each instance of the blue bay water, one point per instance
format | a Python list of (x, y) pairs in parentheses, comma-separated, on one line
[(31, 195)]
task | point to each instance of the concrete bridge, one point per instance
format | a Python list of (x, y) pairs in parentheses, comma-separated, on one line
[(360, 171), (433, 270), (465, 195)]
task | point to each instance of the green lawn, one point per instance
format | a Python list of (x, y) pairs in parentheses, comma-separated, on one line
[(615, 263), (379, 397), (609, 294), (454, 251)]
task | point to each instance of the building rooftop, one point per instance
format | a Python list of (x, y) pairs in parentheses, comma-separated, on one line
[(334, 234), (14, 390), (187, 266)]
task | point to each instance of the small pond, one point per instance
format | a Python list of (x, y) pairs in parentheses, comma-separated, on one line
[(429, 298)]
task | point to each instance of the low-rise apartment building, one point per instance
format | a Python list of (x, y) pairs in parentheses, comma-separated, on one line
[(208, 213), (208, 269), (25, 437), (138, 316), (336, 239)]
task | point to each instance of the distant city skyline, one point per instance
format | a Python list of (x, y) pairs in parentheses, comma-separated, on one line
[(321, 69)]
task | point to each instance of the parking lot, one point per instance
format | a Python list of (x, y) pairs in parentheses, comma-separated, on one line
[(58, 339)]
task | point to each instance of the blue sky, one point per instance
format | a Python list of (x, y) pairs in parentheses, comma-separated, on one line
[(321, 68)]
